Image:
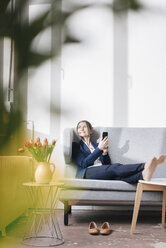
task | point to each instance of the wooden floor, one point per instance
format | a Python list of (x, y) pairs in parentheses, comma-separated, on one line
[(148, 232)]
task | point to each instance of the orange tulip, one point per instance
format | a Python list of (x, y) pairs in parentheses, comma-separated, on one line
[(39, 144), (38, 139), (53, 142), (21, 150), (27, 144), (31, 141), (35, 148), (45, 142)]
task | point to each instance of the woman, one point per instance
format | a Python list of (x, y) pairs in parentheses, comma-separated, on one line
[(93, 160)]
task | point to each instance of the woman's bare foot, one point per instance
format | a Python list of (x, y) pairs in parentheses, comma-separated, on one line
[(161, 158), (149, 169), (151, 166)]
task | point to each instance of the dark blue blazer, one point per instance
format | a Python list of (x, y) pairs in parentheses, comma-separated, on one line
[(84, 158)]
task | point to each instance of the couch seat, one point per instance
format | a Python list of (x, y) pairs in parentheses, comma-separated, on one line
[(113, 185)]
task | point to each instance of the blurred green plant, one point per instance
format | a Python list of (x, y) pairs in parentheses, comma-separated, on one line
[(22, 34), (124, 5)]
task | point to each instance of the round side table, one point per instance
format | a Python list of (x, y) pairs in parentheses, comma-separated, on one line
[(43, 227)]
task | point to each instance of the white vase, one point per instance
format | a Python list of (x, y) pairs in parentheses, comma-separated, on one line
[(44, 172)]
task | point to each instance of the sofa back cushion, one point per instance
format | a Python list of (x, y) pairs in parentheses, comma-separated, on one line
[(126, 146)]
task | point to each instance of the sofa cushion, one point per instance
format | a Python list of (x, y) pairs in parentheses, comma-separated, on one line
[(67, 146), (113, 185), (99, 197), (106, 197)]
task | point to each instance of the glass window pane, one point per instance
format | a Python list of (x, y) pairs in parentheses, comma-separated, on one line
[(87, 83), (147, 65)]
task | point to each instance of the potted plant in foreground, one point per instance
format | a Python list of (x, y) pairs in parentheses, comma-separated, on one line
[(42, 154)]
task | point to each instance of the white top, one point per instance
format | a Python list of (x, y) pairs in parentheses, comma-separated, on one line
[(155, 181), (97, 162)]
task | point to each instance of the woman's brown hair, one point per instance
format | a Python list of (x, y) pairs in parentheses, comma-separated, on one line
[(89, 125)]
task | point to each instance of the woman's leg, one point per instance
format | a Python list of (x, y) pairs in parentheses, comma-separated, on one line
[(132, 178), (113, 171), (122, 172), (98, 172), (125, 170)]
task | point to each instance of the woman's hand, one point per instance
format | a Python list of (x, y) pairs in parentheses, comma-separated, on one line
[(105, 151), (103, 144)]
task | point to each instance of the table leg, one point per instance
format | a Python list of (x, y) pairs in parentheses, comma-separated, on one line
[(136, 207), (43, 228), (163, 209), (66, 212)]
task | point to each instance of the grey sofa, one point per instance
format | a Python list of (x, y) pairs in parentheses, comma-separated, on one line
[(126, 145)]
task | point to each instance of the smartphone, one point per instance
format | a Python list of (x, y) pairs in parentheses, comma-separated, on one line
[(104, 135)]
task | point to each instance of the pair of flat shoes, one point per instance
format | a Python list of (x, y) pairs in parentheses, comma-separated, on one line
[(104, 230)]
